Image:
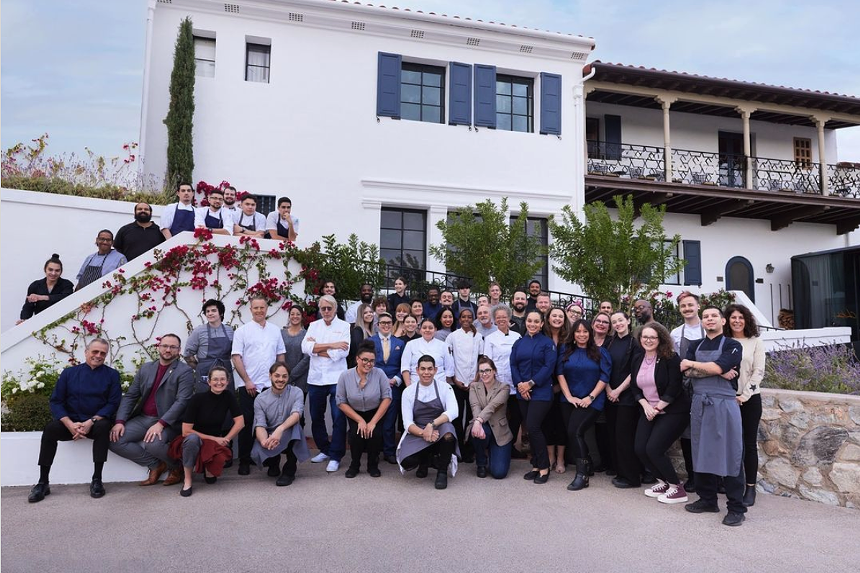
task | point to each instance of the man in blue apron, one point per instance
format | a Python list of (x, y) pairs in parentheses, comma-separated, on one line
[(215, 217), (428, 408), (178, 217), (715, 418), (210, 345)]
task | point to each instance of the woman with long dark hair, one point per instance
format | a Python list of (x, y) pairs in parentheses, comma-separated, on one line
[(444, 323), (556, 327), (656, 384), (48, 291), (741, 325), (583, 371)]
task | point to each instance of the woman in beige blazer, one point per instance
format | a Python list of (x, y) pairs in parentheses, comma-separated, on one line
[(490, 434)]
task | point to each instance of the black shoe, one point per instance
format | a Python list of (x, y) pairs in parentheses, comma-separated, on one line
[(541, 479), (482, 471), (421, 472), (285, 480), (701, 506), (721, 488), (468, 459), (611, 472), (581, 480), (530, 476), (649, 479), (622, 483), (273, 471), (690, 485), (186, 492), (38, 493), (351, 472), (97, 489), (374, 472), (749, 496), (733, 519), (210, 479), (599, 468), (244, 468), (228, 463), (442, 479), (391, 460), (517, 455), (589, 466)]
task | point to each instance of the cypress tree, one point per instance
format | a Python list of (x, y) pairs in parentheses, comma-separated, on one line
[(180, 115)]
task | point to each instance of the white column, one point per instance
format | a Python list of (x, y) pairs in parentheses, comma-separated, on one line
[(822, 156), (147, 60), (434, 235), (666, 102), (746, 112)]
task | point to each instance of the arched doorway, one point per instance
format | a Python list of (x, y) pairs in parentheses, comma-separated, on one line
[(740, 276)]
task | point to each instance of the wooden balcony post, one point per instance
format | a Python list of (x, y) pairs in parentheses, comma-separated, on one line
[(666, 102), (822, 156), (746, 112)]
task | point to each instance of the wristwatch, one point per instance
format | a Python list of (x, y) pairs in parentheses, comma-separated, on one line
[(592, 397), (93, 420)]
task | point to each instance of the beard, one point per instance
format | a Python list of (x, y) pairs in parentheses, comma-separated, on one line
[(519, 307), (229, 202), (143, 217)]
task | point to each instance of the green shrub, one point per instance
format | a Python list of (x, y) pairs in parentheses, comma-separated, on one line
[(27, 413)]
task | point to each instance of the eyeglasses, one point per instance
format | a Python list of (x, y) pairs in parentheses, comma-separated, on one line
[(650, 338), (367, 360), (169, 346), (326, 308), (485, 371), (381, 322), (601, 322)]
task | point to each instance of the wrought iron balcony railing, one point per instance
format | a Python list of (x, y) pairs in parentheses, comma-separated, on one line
[(626, 160), (707, 168), (844, 179), (786, 175)]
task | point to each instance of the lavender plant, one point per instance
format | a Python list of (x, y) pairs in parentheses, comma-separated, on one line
[(832, 368)]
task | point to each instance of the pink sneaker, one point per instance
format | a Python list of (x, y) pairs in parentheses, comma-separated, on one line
[(675, 494), (657, 489)]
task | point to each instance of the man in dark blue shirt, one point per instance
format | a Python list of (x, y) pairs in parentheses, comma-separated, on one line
[(432, 306), (83, 404)]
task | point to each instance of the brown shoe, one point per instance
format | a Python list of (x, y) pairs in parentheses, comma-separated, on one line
[(155, 474), (175, 476)]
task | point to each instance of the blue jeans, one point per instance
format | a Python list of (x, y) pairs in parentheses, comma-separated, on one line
[(317, 401), (500, 456), (389, 422)]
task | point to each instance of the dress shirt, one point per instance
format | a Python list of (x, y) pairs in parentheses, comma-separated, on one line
[(417, 348), (259, 347), (108, 263), (465, 349), (497, 347), (83, 392), (274, 217), (324, 371), (271, 410), (364, 399), (169, 213), (225, 215), (427, 394)]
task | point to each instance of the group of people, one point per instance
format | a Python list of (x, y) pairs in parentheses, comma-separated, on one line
[(461, 379), (223, 215)]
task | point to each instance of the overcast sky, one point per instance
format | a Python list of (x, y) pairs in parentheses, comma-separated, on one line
[(74, 69)]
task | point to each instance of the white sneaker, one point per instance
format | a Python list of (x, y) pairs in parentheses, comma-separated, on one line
[(332, 466), (657, 489), (319, 458)]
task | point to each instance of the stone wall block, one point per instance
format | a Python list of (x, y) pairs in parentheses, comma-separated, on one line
[(819, 495), (799, 420), (846, 477), (790, 404), (781, 471), (813, 477), (768, 414), (819, 445), (849, 453), (768, 401), (854, 414)]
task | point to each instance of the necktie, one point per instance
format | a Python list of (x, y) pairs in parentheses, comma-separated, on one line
[(386, 349)]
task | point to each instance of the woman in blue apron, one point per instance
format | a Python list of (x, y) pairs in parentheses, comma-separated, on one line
[(430, 437), (715, 419)]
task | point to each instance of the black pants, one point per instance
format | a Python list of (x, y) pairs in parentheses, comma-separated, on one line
[(750, 418), (246, 434), (577, 421), (463, 421), (533, 414), (687, 451), (621, 423), (359, 445), (553, 426), (706, 487), (603, 438), (653, 440), (515, 419), (56, 431), (437, 455), (289, 468)]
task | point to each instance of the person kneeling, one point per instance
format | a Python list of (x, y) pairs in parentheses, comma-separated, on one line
[(201, 446), (490, 431), (430, 437), (277, 413)]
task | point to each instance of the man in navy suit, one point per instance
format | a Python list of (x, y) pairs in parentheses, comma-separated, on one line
[(389, 350)]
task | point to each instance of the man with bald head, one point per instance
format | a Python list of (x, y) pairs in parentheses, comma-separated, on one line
[(140, 235)]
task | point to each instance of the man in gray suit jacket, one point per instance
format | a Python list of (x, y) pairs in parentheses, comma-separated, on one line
[(151, 411)]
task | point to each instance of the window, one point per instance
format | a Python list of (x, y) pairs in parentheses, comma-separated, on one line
[(674, 279), (257, 58), (204, 57), (422, 93), (514, 104), (403, 238), (592, 136), (536, 227), (803, 152)]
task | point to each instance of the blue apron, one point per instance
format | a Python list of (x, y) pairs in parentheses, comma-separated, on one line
[(213, 223), (251, 227), (715, 422), (183, 220), (283, 231)]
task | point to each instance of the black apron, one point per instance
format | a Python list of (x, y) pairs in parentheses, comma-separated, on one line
[(218, 353), (283, 231), (91, 272), (213, 223), (183, 220), (251, 227)]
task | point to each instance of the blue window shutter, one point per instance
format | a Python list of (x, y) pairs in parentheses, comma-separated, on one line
[(388, 85), (460, 95), (485, 95), (612, 126), (693, 270), (550, 103)]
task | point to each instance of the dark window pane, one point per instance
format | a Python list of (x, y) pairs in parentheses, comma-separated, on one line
[(414, 221), (409, 93), (431, 114), (431, 79), (503, 104), (520, 90), (431, 96), (414, 259), (503, 88), (410, 111), (521, 105), (520, 123), (503, 121), (389, 239), (413, 240), (390, 256), (411, 77), (390, 219)]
